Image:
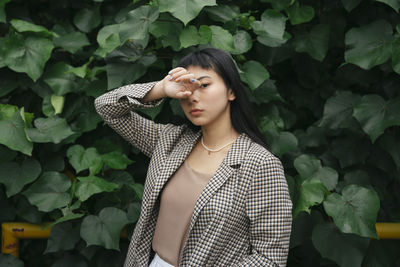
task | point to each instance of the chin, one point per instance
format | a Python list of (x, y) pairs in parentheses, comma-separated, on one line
[(196, 121)]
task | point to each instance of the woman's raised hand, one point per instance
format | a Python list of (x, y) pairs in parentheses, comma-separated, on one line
[(179, 83)]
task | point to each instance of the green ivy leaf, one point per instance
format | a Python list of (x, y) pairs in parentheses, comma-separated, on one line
[(266, 93), (222, 39), (190, 36), (90, 185), (242, 42), (184, 10), (369, 45), (25, 26), (338, 110), (122, 178), (282, 142), (116, 160), (271, 28), (108, 39), (82, 159), (8, 260), (138, 188), (312, 137), (7, 111), (300, 14), (254, 74), (13, 134), (375, 115), (136, 25), (63, 237), (87, 119), (349, 5), (167, 30), (83, 70), (47, 108), (105, 229), (392, 3), (347, 250), (86, 20), (52, 105), (15, 176), (310, 167), (60, 79), (354, 211), (272, 121), (26, 54), (52, 129), (222, 13), (27, 211), (49, 192), (67, 217), (396, 55), (315, 43), (311, 192), (356, 177), (279, 4), (134, 212), (58, 103), (2, 12), (72, 41), (121, 73)]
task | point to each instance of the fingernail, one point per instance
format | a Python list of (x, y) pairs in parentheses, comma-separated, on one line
[(177, 80), (170, 78), (170, 72), (192, 80)]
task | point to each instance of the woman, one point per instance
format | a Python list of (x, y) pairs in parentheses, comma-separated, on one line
[(214, 195)]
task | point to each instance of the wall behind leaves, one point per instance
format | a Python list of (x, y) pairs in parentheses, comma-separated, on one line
[(323, 77)]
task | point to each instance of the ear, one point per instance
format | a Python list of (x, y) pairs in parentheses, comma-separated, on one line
[(231, 95)]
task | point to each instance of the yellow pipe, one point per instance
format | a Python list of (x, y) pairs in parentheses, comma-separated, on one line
[(388, 230), (13, 232)]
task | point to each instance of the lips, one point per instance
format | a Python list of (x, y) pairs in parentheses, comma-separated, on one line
[(196, 111)]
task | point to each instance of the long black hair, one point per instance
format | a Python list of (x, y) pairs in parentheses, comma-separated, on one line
[(240, 110)]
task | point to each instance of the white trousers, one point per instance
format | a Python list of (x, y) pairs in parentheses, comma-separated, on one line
[(158, 262)]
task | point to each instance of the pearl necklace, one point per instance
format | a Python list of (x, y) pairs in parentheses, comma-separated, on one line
[(214, 150)]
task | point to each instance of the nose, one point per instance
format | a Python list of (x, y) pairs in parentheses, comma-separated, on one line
[(194, 97)]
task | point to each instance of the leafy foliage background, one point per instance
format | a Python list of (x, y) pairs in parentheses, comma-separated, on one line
[(323, 77)]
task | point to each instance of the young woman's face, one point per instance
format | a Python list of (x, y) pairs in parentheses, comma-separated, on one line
[(212, 98)]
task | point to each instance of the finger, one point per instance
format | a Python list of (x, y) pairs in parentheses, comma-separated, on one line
[(196, 82), (183, 94), (178, 74), (187, 77), (176, 70)]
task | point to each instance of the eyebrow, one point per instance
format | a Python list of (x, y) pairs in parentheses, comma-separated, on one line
[(202, 77)]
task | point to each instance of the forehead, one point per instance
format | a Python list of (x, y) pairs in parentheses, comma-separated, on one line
[(199, 72)]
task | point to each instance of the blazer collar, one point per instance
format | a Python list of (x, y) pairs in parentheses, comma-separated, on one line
[(231, 161)]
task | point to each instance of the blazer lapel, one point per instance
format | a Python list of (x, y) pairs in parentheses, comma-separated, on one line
[(231, 162), (175, 160)]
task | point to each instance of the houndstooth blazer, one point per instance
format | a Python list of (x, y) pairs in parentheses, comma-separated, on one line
[(243, 215)]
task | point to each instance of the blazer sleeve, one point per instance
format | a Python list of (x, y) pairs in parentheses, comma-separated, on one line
[(117, 110), (269, 209)]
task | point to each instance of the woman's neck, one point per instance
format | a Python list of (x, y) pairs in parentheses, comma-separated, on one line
[(215, 136)]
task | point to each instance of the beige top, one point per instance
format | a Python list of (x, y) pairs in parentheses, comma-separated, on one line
[(177, 203)]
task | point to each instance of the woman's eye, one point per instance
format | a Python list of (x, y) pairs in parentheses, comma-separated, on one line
[(204, 85)]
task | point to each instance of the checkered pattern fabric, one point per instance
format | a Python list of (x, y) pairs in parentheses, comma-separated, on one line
[(242, 217)]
